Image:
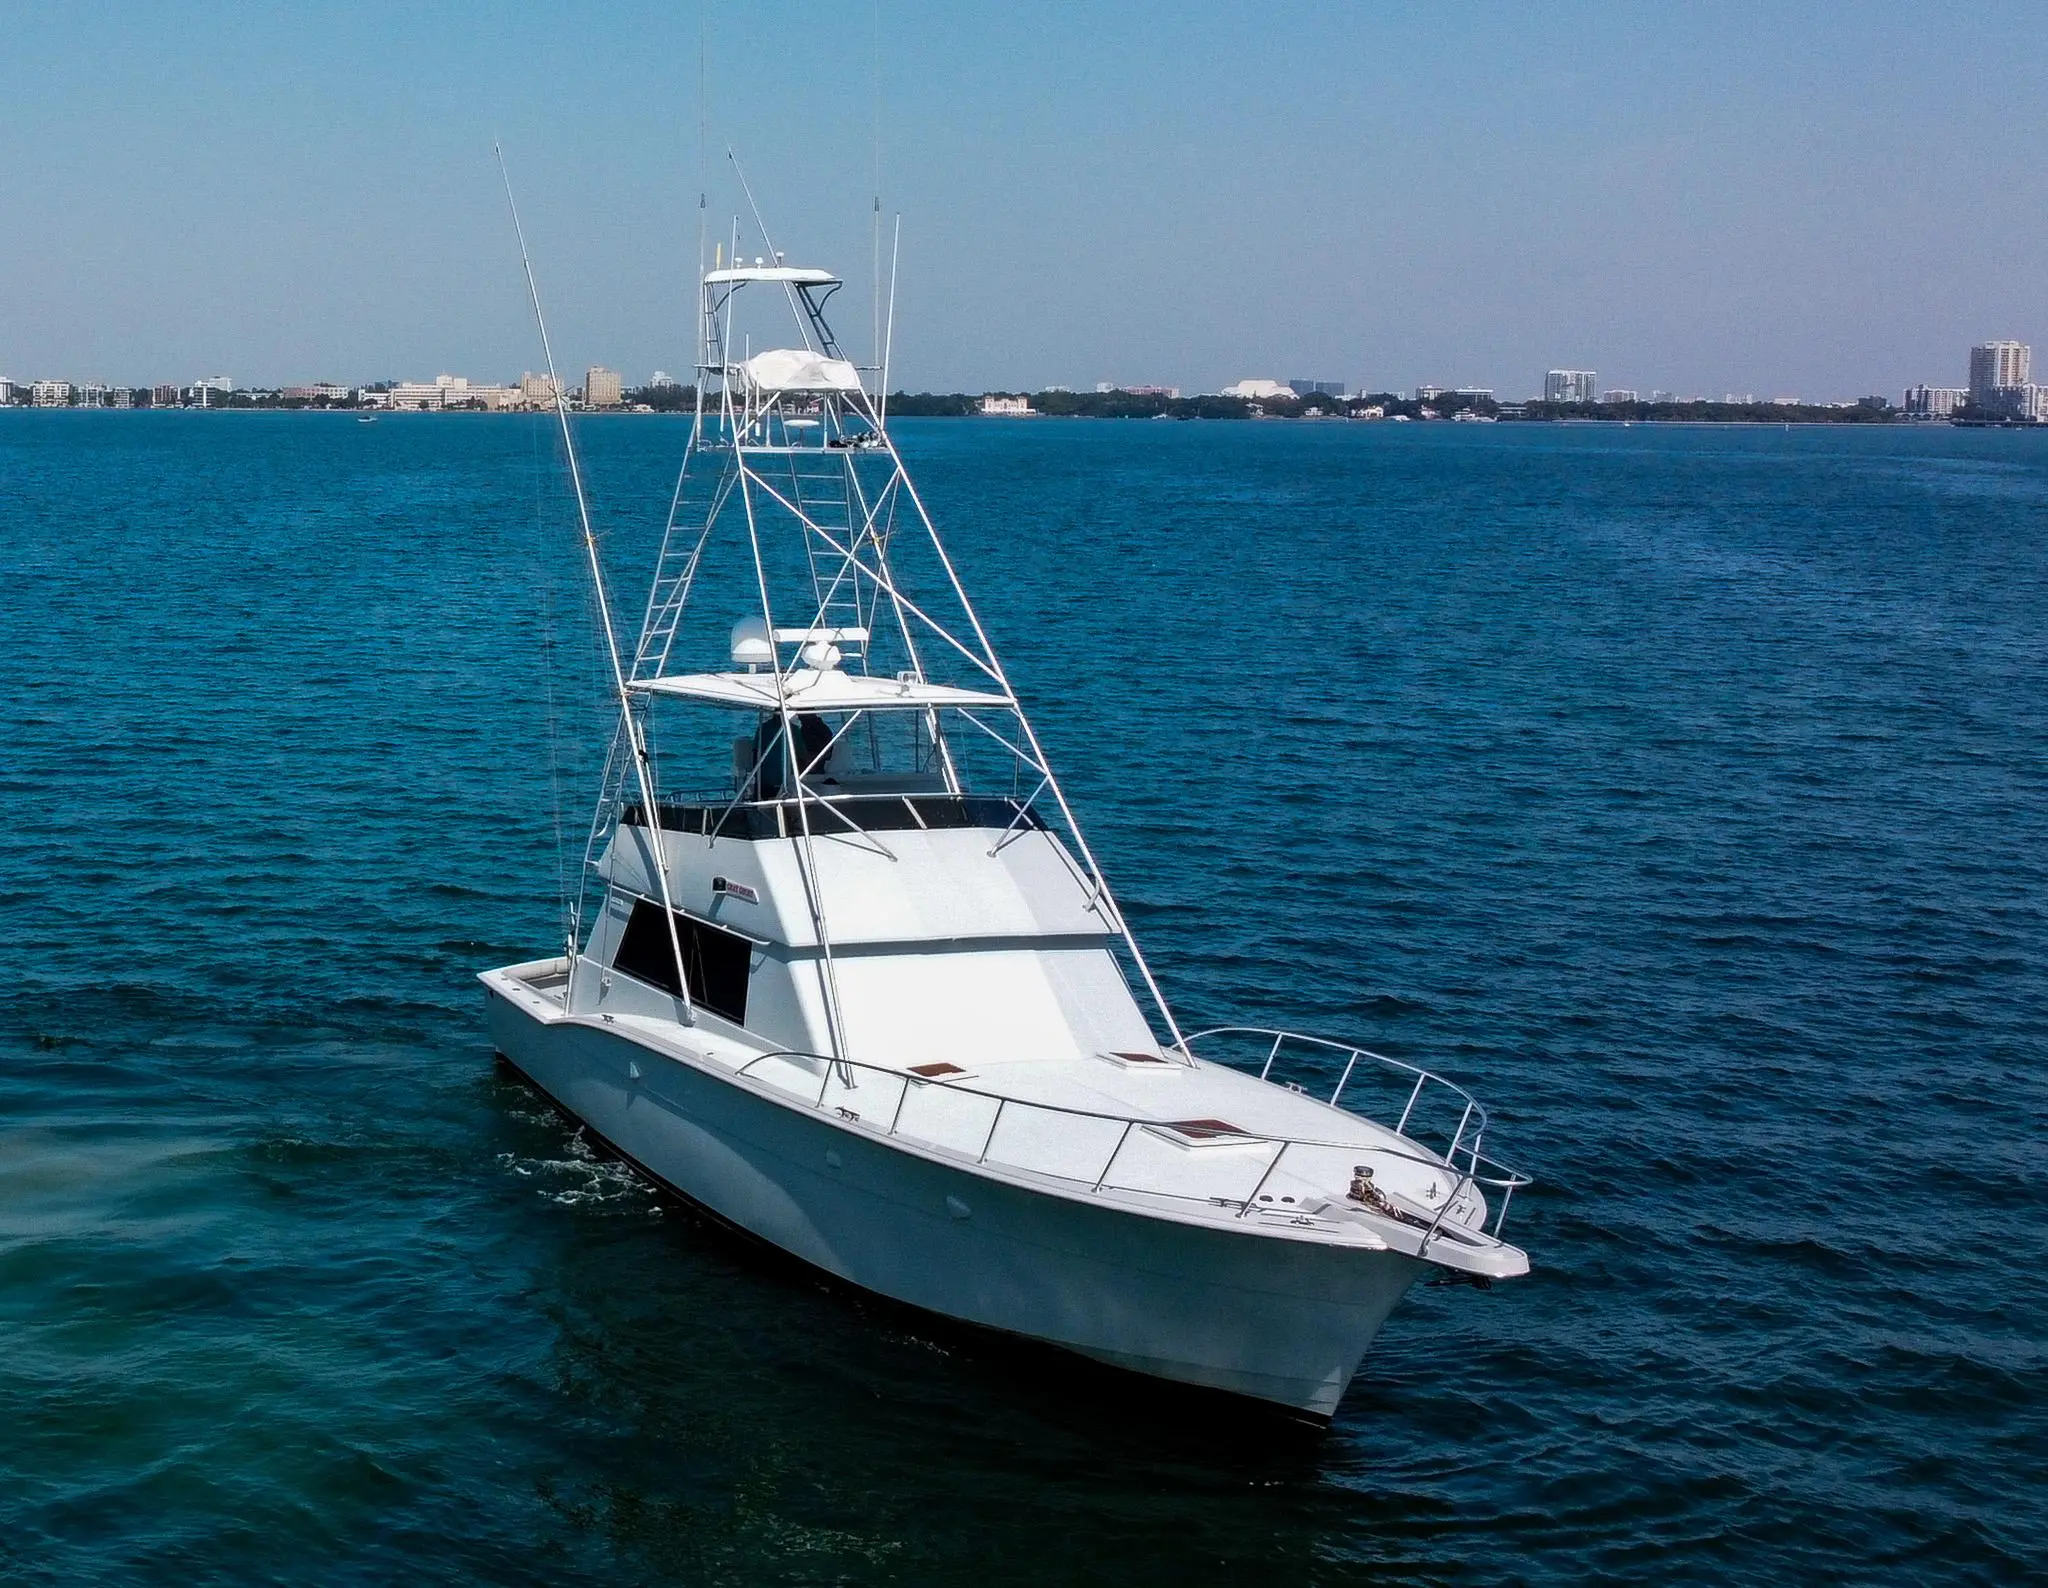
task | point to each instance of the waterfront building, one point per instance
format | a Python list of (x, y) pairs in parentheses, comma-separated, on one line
[(662, 380), (1570, 385), (120, 396), (1257, 390), (1618, 394), (601, 388), (1933, 402), (999, 407), (1316, 388), (6, 392), (426, 395), (538, 390), (50, 394), (165, 397), (1424, 394), (453, 391), (1997, 367)]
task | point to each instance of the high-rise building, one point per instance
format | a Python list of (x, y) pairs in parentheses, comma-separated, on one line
[(601, 388), (50, 394), (1933, 402), (1316, 388), (1620, 394), (164, 397), (1996, 367), (6, 391), (1570, 386)]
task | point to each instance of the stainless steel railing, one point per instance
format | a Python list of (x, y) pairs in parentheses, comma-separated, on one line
[(1464, 1139), (1469, 1168)]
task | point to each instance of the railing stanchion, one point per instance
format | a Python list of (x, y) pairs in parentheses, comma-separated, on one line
[(902, 1097), (1463, 1181), (1278, 1038), (1254, 1197), (1421, 1080), (1111, 1164), (1345, 1080), (1001, 1102)]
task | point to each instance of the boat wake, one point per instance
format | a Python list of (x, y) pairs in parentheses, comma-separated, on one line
[(586, 1179)]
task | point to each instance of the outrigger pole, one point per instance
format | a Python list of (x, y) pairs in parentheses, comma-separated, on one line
[(629, 724)]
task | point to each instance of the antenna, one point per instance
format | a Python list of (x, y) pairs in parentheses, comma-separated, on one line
[(703, 124), (876, 277), (628, 724), (760, 225), (774, 256), (889, 337)]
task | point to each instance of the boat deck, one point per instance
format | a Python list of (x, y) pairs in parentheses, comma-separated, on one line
[(1147, 1129)]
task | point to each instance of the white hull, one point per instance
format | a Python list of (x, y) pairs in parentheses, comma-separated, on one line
[(1278, 1320)]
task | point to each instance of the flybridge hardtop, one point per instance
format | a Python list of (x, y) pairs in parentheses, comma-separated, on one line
[(844, 969)]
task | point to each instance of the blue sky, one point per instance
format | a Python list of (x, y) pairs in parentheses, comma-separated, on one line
[(1822, 200)]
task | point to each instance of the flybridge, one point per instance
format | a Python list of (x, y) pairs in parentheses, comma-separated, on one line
[(864, 681)]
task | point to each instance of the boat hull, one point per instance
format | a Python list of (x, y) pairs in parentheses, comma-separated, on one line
[(1280, 1321)]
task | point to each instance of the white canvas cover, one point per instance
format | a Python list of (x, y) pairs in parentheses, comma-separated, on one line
[(794, 275), (795, 369), (810, 690)]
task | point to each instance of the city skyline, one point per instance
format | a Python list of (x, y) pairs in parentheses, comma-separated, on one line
[(1999, 386), (1179, 196)]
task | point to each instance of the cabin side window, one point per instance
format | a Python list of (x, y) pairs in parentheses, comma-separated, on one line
[(715, 962)]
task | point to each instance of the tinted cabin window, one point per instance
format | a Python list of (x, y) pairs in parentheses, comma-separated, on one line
[(714, 962)]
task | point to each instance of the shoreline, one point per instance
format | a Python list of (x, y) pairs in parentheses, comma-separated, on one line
[(1801, 421)]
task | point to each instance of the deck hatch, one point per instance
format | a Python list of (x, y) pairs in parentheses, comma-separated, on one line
[(1201, 1132)]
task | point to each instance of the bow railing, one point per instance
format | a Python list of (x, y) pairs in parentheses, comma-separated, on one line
[(1107, 1152)]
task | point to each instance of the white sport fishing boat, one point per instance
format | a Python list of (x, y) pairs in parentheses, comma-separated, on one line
[(863, 991)]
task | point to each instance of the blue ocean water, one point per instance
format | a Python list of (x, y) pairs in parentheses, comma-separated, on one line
[(1681, 790)]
